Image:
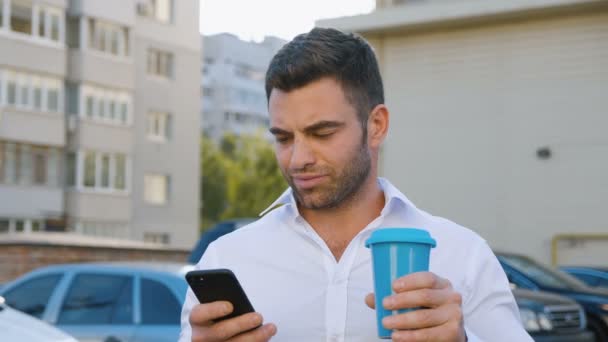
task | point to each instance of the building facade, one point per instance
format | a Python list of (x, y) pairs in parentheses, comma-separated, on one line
[(232, 89), (98, 104), (498, 117)]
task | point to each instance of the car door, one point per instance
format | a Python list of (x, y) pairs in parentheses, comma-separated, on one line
[(98, 307), (160, 311), (32, 295)]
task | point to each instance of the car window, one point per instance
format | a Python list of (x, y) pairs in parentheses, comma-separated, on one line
[(542, 275), (589, 279), (603, 282), (98, 299), (158, 304), (32, 295)]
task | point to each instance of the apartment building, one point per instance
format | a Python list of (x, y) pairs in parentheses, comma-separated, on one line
[(233, 95), (98, 109)]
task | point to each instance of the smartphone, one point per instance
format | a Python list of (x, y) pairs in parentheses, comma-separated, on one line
[(219, 285)]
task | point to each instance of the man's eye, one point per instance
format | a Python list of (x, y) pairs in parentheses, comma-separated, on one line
[(323, 134), (281, 139)]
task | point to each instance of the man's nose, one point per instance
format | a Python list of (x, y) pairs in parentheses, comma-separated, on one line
[(302, 155)]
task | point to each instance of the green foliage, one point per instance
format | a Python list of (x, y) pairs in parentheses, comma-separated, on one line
[(240, 178)]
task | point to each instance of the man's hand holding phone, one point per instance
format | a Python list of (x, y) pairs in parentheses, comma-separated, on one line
[(225, 313), (207, 326)]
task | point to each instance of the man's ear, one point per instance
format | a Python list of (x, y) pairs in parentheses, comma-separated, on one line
[(377, 125)]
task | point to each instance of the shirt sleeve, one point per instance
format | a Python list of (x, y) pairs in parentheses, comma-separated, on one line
[(490, 310), (208, 260)]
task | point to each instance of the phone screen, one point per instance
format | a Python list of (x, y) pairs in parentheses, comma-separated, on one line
[(219, 285)]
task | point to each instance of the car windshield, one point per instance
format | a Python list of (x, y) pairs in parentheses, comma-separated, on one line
[(543, 275)]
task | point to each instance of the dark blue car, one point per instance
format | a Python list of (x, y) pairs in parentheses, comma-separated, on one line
[(592, 276), (527, 273), (221, 228)]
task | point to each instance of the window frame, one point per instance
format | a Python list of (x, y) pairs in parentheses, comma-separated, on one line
[(103, 98), (113, 174), (71, 283), (158, 126), (149, 196), (21, 88)]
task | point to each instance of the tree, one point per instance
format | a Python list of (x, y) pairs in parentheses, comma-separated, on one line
[(241, 176)]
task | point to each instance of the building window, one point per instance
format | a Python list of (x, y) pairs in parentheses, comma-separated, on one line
[(29, 91), (121, 171), (160, 63), (37, 100), (21, 225), (105, 171), (40, 166), (156, 188), (161, 10), (89, 169), (105, 105), (50, 23), (1, 14), (162, 238), (28, 164), (108, 229), (21, 16), (108, 38), (159, 126), (101, 171)]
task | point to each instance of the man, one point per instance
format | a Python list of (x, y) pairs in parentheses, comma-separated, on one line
[(304, 265)]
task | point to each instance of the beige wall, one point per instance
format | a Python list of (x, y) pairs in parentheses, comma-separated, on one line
[(469, 109)]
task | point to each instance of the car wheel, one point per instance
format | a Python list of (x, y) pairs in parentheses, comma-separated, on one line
[(598, 329)]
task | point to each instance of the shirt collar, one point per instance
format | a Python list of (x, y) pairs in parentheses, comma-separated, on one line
[(392, 196)]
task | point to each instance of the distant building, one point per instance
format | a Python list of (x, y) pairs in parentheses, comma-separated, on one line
[(499, 113), (99, 118), (232, 89)]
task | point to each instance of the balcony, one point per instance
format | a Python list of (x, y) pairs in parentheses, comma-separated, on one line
[(100, 136), (116, 11), (98, 206), (31, 201), (100, 68), (26, 52), (32, 126)]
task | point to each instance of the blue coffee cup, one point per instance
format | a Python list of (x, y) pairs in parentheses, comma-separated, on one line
[(396, 252)]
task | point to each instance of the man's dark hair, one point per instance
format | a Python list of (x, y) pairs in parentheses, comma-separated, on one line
[(326, 52)]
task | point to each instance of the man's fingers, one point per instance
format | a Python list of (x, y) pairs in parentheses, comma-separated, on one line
[(232, 327), (419, 319), (204, 314), (370, 300), (428, 298), (420, 280), (437, 333), (261, 334)]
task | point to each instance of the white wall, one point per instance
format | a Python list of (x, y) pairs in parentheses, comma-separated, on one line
[(469, 109)]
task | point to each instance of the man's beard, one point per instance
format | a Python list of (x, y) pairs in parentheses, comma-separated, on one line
[(343, 186)]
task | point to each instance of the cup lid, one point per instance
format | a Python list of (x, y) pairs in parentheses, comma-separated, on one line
[(412, 235)]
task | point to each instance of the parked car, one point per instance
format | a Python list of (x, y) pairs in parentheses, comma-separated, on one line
[(527, 273), (126, 302), (213, 233), (16, 326), (592, 276), (552, 318)]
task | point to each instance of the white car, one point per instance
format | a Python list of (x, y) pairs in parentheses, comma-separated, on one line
[(18, 327)]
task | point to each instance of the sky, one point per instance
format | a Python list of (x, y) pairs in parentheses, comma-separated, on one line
[(254, 19)]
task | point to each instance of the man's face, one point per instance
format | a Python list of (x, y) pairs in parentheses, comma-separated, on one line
[(319, 146)]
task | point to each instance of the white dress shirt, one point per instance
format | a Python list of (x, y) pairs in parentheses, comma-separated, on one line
[(292, 278)]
